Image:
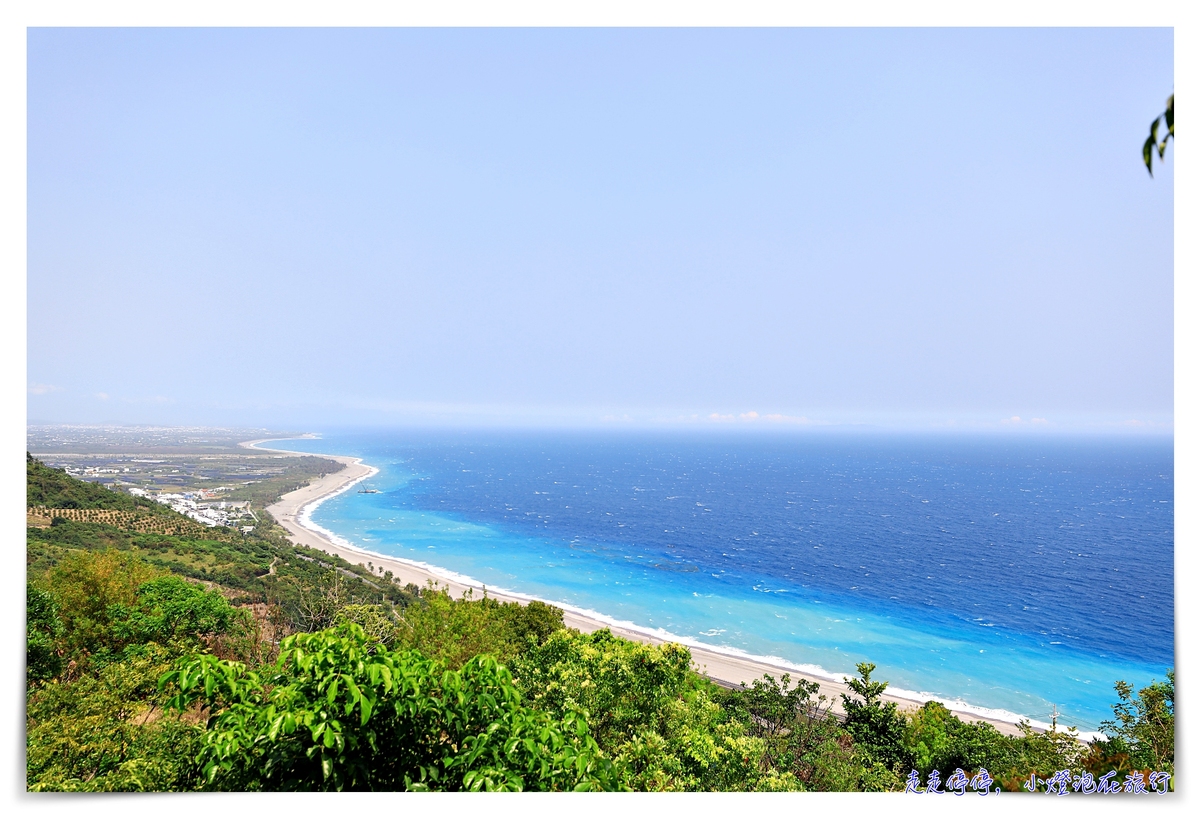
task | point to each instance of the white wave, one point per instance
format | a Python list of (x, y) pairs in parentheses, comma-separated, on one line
[(304, 518), (305, 515)]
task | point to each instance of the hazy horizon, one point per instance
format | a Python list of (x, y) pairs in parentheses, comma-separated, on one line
[(809, 229), (700, 429)]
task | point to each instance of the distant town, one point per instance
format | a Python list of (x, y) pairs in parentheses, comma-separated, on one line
[(201, 473), (232, 513), (204, 505)]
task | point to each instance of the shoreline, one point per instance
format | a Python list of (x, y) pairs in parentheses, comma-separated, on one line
[(728, 667)]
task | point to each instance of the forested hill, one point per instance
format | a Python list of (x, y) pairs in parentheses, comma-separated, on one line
[(54, 488)]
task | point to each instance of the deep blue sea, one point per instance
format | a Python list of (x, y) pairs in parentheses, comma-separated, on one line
[(1013, 574)]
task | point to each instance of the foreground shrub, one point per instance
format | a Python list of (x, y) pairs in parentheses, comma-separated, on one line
[(649, 712), (338, 711), (43, 629), (89, 587), (454, 630), (107, 731), (1143, 726), (803, 738)]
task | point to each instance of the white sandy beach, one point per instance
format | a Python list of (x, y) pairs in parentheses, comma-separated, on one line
[(719, 666)]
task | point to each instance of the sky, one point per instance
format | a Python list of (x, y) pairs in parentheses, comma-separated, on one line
[(751, 228)]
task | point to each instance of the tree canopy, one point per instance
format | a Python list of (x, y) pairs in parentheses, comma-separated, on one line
[(338, 711)]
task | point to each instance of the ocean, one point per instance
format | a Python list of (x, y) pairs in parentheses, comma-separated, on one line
[(1010, 575)]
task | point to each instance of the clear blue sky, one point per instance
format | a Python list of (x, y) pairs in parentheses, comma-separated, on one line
[(325, 227)]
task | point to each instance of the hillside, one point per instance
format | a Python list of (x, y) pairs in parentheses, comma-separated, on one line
[(54, 488), (72, 515), (215, 660)]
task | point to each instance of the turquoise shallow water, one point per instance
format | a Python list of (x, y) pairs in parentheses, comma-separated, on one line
[(1004, 576)]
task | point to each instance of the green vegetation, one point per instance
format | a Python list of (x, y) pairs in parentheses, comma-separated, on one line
[(453, 632), (1152, 145), (339, 711), (1141, 735), (160, 662), (106, 730), (94, 715), (43, 629), (647, 710), (876, 726), (803, 739)]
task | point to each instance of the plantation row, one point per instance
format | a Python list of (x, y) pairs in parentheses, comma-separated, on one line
[(42, 516)]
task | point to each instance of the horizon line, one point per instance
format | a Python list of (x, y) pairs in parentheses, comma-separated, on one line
[(1005, 427)]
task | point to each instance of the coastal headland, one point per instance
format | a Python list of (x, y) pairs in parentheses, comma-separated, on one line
[(723, 668)]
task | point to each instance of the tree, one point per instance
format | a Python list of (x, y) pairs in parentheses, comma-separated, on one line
[(89, 587), (106, 731), (454, 630), (1040, 753), (1152, 144), (1144, 725), (377, 621), (802, 737), (876, 726), (648, 711), (170, 607), (43, 629), (938, 740), (337, 711)]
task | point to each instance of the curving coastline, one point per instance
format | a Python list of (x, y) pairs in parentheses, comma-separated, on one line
[(728, 666)]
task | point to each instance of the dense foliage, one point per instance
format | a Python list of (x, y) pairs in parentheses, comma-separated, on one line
[(43, 629), (106, 730), (802, 737), (1141, 735), (338, 710), (156, 662), (102, 628)]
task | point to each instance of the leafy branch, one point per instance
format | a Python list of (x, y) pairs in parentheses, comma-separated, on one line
[(1152, 144)]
